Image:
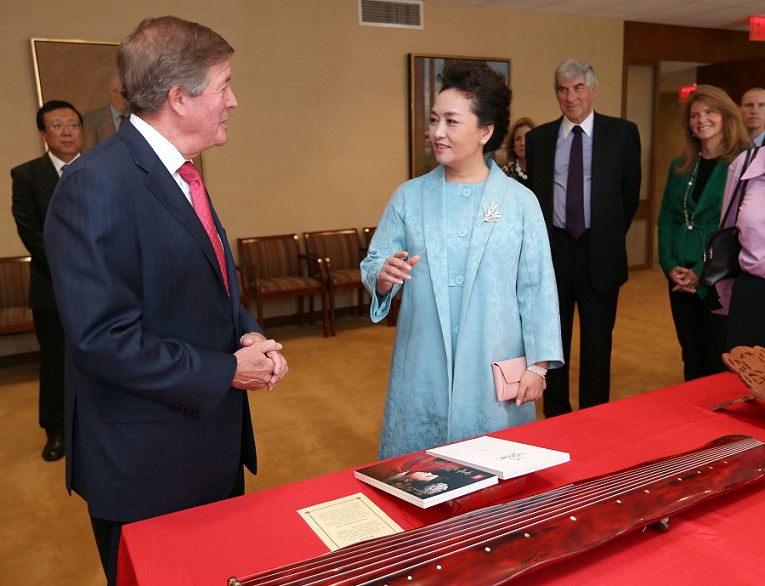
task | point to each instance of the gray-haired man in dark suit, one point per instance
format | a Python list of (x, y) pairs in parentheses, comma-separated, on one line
[(587, 232), (160, 353)]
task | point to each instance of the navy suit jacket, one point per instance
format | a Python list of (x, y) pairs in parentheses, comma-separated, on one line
[(615, 190), (152, 425), (33, 185)]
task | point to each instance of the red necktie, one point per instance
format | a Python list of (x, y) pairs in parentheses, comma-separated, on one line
[(202, 207)]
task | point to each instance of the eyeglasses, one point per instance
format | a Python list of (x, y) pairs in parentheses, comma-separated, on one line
[(58, 127)]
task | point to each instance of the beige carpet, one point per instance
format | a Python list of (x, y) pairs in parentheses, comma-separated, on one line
[(325, 416)]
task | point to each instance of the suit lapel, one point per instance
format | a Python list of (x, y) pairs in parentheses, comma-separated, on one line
[(548, 143), (434, 231), (161, 183), (710, 195), (756, 166), (599, 147), (48, 175), (233, 278), (107, 123)]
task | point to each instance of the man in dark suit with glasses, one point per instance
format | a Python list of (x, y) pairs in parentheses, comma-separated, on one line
[(60, 127)]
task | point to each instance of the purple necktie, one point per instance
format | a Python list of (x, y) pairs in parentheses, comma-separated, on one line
[(202, 207), (575, 187)]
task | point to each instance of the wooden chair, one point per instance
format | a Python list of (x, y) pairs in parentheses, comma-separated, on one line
[(368, 232), (341, 250), (244, 290), (15, 315), (274, 268)]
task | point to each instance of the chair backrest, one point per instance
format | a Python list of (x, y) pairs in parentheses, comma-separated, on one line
[(274, 256), (369, 231), (342, 247), (244, 290), (14, 281)]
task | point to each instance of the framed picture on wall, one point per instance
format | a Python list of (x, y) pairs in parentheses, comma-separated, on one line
[(74, 71), (423, 88)]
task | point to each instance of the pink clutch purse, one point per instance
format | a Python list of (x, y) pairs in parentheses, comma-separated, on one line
[(507, 377)]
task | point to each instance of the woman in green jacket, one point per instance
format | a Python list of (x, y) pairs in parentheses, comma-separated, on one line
[(690, 209)]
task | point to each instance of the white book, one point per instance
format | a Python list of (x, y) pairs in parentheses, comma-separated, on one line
[(504, 458)]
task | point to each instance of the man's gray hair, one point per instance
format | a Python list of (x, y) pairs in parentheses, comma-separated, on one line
[(165, 52), (574, 68)]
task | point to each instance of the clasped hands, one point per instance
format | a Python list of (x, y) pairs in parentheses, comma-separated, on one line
[(685, 280), (258, 363), (395, 271)]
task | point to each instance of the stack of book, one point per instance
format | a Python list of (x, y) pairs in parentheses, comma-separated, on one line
[(449, 473)]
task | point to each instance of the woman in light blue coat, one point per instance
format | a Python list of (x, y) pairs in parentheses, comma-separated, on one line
[(469, 247)]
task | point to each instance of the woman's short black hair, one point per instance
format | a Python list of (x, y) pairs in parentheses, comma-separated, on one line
[(488, 91)]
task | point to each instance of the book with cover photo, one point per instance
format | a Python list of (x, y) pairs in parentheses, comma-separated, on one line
[(506, 459), (424, 480)]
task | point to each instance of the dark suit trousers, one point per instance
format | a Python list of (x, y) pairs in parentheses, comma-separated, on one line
[(107, 534), (597, 315), (746, 325), (701, 333), (50, 335)]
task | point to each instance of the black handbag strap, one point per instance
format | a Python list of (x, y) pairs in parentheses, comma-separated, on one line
[(740, 190)]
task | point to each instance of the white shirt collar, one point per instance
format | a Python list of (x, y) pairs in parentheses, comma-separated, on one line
[(58, 163), (170, 156), (586, 125)]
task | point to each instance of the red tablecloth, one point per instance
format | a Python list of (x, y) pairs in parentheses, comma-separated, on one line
[(720, 540)]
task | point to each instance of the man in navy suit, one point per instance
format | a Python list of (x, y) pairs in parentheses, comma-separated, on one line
[(159, 353), (590, 259), (60, 127)]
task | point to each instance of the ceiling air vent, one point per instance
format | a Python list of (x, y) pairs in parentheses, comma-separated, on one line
[(398, 14)]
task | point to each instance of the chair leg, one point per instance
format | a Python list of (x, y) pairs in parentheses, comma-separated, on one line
[(332, 322), (300, 310), (261, 319), (361, 301), (310, 309), (325, 314)]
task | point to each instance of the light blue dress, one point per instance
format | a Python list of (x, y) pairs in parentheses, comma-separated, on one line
[(482, 291), (461, 201)]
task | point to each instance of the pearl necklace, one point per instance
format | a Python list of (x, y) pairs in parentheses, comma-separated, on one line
[(689, 221)]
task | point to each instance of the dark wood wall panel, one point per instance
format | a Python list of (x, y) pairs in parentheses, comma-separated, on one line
[(660, 42), (734, 77)]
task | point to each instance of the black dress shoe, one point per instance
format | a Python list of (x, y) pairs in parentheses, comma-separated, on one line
[(54, 449)]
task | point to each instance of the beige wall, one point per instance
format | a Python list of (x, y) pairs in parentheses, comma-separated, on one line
[(320, 137)]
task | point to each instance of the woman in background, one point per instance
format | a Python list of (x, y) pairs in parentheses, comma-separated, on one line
[(690, 210), (516, 151), (469, 247)]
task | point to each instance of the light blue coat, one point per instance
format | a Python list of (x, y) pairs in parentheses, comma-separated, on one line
[(509, 309)]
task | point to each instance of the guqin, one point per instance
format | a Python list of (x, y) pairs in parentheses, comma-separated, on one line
[(493, 545)]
